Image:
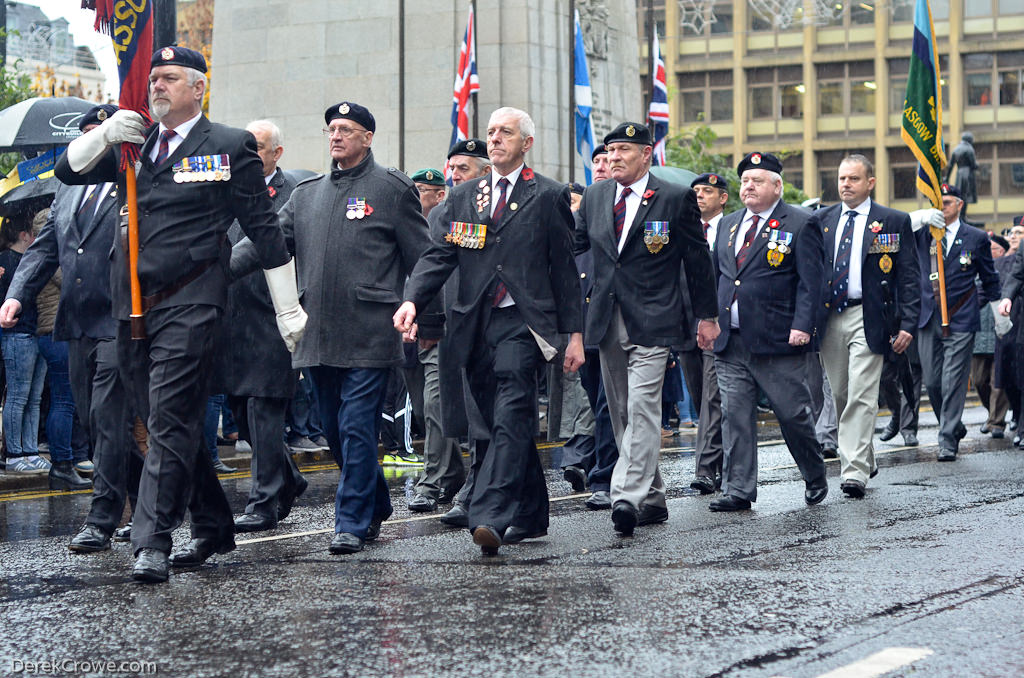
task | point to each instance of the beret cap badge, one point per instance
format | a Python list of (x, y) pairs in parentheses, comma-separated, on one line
[(101, 115), (630, 131), (343, 109), (713, 180), (755, 159), (470, 145), (167, 54)]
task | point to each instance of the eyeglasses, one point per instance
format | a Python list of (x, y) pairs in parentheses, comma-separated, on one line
[(345, 132)]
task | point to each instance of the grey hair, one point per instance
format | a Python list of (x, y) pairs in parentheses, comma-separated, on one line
[(526, 126), (194, 76), (273, 130)]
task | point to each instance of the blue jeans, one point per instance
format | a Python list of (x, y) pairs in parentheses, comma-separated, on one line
[(216, 406), (60, 419), (26, 371)]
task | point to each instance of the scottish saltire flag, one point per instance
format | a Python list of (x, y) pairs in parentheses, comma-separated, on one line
[(922, 107), (130, 26), (584, 103), (466, 85), (657, 114)]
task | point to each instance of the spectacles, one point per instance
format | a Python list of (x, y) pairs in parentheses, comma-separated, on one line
[(345, 132)]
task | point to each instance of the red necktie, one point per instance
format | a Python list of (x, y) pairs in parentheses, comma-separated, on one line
[(748, 239), (500, 292), (707, 227), (620, 214), (165, 149)]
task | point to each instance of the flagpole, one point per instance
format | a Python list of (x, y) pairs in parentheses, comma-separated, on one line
[(475, 96), (572, 91), (401, 85), (650, 50)]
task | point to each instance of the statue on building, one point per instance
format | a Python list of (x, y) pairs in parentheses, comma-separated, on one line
[(966, 164)]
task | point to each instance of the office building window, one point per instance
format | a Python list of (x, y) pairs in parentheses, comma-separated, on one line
[(903, 10), (1010, 75), (698, 90), (903, 175), (846, 88), (978, 78), (722, 24), (994, 78), (776, 92), (898, 69), (1011, 169)]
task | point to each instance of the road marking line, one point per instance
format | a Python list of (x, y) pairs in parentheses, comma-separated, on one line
[(881, 453), (880, 663)]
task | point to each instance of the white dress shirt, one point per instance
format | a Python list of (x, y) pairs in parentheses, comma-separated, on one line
[(267, 179), (512, 177), (741, 234), (181, 131), (101, 192), (950, 237), (855, 289), (713, 229), (632, 204)]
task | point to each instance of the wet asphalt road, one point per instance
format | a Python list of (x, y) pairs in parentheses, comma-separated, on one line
[(930, 562)]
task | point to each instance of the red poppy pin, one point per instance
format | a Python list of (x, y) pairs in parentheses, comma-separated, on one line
[(773, 223), (527, 173), (876, 227), (648, 193), (369, 210), (272, 191)]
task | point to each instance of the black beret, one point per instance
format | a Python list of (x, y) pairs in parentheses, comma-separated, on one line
[(576, 188), (758, 160), (96, 115), (1018, 221), (710, 179), (951, 190), (632, 132), (1001, 241), (428, 175), (178, 56), (476, 148), (351, 111), (598, 150)]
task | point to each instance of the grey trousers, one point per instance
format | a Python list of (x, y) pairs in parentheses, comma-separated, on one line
[(443, 469), (708, 457), (784, 379), (823, 407), (633, 376), (946, 364)]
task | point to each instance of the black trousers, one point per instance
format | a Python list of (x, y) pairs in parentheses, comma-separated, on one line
[(599, 477), (102, 402), (275, 477), (891, 391), (509, 488), (167, 375)]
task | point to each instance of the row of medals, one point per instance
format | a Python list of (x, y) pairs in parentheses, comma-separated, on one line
[(204, 175)]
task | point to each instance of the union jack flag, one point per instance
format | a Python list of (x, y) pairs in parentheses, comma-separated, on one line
[(466, 85), (657, 114)]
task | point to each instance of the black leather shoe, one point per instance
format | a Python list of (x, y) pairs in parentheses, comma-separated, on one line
[(89, 539), (729, 503), (890, 430), (254, 522), (220, 467), (373, 531), (600, 500), (514, 535), (198, 550), (828, 452), (852, 488), (815, 495), (150, 566), (703, 484), (576, 477), (456, 516), (997, 433), (984, 429), (960, 432), (910, 440), (421, 503), (1016, 440), (63, 476), (488, 539), (946, 455), (345, 542), (123, 534), (624, 517), (285, 503), (649, 515)]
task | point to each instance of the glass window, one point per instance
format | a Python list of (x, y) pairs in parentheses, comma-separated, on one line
[(977, 8), (693, 106), (1011, 178), (904, 183), (792, 101), (984, 179), (720, 78), (903, 10), (723, 18), (863, 12), (897, 93), (829, 185), (761, 104), (940, 10), (862, 96), (721, 105), (1009, 88), (978, 62), (830, 98), (758, 23), (1010, 7), (979, 89)]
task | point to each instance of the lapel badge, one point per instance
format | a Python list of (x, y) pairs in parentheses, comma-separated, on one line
[(885, 263), (513, 206), (876, 226), (527, 174)]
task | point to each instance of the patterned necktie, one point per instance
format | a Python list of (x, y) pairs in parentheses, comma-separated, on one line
[(707, 227), (841, 272), (748, 239), (620, 214), (88, 208), (499, 204), (165, 149)]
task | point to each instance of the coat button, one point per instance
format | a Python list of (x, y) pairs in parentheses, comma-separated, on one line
[(499, 267), (497, 239), (81, 251), (588, 300), (78, 281), (737, 283), (155, 184), (583, 275)]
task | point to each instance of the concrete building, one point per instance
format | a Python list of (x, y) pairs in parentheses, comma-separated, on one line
[(820, 78), (289, 60)]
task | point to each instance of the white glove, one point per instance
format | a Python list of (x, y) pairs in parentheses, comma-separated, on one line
[(291, 319), (927, 217), (1002, 323), (122, 127)]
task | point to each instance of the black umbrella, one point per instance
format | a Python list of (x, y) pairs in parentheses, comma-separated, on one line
[(40, 123), (30, 196)]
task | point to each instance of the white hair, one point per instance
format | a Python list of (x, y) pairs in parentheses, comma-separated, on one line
[(273, 131), (526, 126), (194, 76)]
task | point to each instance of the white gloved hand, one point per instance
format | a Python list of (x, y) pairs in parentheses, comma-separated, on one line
[(291, 319), (122, 127), (1002, 323), (927, 217)]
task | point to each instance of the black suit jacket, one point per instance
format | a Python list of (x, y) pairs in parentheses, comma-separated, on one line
[(646, 284), (902, 278), (184, 225), (82, 250), (530, 251), (772, 299), (969, 258)]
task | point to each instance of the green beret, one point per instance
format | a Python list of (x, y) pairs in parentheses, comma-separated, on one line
[(429, 176)]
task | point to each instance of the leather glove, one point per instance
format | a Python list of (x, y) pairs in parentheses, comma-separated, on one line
[(122, 127), (1002, 323), (927, 217), (291, 319)]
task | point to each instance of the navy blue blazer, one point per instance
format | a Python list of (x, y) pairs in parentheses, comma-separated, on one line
[(902, 276), (82, 250), (772, 299), (969, 256)]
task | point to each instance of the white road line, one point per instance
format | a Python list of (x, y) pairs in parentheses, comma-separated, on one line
[(880, 663)]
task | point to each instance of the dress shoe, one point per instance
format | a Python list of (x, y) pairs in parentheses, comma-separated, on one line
[(254, 522), (488, 539), (345, 542), (829, 452), (1013, 424), (600, 500), (457, 516), (514, 535), (649, 515), (421, 503), (243, 447), (285, 503), (890, 431), (123, 534), (198, 550), (946, 455), (873, 473), (852, 488), (997, 433), (220, 467), (729, 503), (815, 495), (703, 484), (576, 477), (373, 531), (984, 429), (63, 476), (624, 517), (89, 540), (1016, 440), (910, 440), (150, 566), (960, 432)]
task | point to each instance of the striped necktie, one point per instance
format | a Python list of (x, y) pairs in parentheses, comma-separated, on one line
[(500, 292), (748, 239), (841, 273), (164, 149), (620, 214)]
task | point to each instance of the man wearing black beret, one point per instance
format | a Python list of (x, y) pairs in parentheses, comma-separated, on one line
[(641, 230), (467, 159), (194, 179)]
